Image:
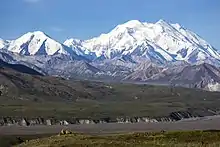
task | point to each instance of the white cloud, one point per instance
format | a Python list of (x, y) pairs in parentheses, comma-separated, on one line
[(31, 1)]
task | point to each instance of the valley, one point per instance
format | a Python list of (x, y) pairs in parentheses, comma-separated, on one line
[(31, 98), (109, 73), (139, 77)]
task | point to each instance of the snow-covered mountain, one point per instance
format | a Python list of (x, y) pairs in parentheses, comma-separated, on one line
[(133, 51), (36, 43), (162, 41), (159, 42), (4, 44)]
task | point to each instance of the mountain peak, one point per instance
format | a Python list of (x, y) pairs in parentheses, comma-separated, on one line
[(129, 24), (37, 43), (160, 42), (169, 42), (72, 41), (3, 43), (133, 23), (162, 21), (32, 35), (40, 34)]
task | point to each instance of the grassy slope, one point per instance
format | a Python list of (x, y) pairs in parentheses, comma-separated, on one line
[(35, 96), (167, 139), (8, 141)]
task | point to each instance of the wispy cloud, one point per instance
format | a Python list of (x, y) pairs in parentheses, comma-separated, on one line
[(57, 29), (31, 1)]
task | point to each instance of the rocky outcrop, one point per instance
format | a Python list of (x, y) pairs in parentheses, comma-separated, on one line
[(180, 115), (64, 123), (86, 121), (174, 116), (202, 76), (48, 122)]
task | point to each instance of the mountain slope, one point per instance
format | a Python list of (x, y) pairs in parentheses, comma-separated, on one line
[(168, 72), (164, 41), (38, 43), (14, 58), (143, 72), (115, 55), (28, 96), (159, 42), (3, 43), (204, 76), (55, 65), (18, 68)]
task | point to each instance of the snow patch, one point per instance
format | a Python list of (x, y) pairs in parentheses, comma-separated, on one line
[(213, 87)]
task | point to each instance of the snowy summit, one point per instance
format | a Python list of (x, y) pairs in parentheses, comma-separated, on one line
[(161, 42)]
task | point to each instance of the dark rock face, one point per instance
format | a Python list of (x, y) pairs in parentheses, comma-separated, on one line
[(181, 115)]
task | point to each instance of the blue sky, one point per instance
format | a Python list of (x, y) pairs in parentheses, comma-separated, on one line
[(83, 19)]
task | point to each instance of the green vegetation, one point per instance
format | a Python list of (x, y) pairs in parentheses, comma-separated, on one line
[(35, 96), (162, 139), (100, 100)]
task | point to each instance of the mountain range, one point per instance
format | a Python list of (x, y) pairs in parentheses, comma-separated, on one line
[(133, 51)]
